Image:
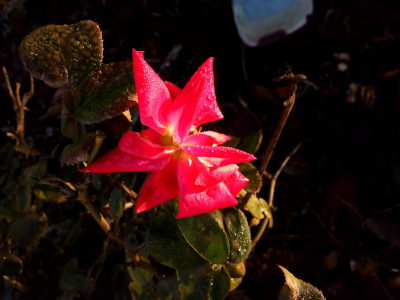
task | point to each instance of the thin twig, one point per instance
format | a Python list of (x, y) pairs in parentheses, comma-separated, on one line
[(272, 185), (83, 197)]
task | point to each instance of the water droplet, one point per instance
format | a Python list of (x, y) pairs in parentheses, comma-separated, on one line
[(107, 163)]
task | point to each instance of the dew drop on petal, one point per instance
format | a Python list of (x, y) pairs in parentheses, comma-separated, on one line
[(107, 163)]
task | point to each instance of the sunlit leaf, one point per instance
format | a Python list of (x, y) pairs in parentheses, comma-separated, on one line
[(62, 54), (297, 289), (235, 270), (167, 245), (105, 93), (258, 208), (238, 232), (207, 282), (49, 194), (206, 236), (27, 229)]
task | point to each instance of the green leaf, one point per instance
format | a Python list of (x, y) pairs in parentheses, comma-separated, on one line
[(236, 270), (251, 143), (167, 288), (259, 208), (79, 151), (142, 285), (10, 264), (69, 125), (117, 202), (238, 232), (24, 199), (27, 229), (206, 236), (49, 194), (297, 289), (167, 245), (62, 54), (31, 174), (207, 282), (105, 93), (255, 180), (72, 282)]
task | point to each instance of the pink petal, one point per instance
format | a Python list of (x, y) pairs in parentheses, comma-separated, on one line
[(206, 138), (118, 161), (219, 196), (153, 95), (195, 177), (139, 145), (229, 155), (211, 199), (161, 186), (173, 90), (196, 104)]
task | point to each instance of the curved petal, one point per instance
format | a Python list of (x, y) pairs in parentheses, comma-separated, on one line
[(211, 199), (174, 91), (161, 186), (195, 177), (219, 196), (195, 105), (138, 145), (153, 95), (230, 155), (118, 161), (206, 138)]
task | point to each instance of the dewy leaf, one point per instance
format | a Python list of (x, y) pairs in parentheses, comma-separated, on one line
[(105, 93), (142, 285), (297, 289), (251, 172), (27, 229), (206, 236), (238, 232), (62, 54), (166, 244), (79, 151), (207, 282)]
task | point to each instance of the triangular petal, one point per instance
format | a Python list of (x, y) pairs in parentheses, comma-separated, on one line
[(118, 161), (161, 186), (236, 182), (174, 91), (235, 156), (196, 104), (206, 138), (153, 95), (139, 145)]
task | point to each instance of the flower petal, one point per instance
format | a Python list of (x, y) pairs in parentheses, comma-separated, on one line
[(195, 105), (229, 155), (211, 199), (161, 186), (206, 138), (173, 90), (153, 95), (118, 161), (139, 145)]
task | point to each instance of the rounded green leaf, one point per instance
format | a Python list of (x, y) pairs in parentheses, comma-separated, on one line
[(206, 236), (79, 151), (105, 93), (10, 264), (27, 229), (62, 54), (207, 282), (167, 245), (238, 232)]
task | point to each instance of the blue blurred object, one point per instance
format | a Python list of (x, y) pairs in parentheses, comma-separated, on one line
[(260, 22)]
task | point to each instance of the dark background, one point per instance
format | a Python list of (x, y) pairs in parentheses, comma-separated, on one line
[(337, 219)]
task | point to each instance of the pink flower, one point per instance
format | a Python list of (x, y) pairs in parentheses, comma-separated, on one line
[(183, 161)]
